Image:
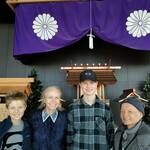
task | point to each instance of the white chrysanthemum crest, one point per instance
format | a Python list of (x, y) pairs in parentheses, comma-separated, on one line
[(138, 23), (45, 26)]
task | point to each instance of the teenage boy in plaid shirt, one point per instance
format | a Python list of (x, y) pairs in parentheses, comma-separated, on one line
[(90, 124)]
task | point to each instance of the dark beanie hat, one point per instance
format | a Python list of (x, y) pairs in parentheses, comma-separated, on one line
[(135, 102), (88, 74)]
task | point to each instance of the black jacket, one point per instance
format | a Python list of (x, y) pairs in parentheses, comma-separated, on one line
[(140, 142), (6, 124)]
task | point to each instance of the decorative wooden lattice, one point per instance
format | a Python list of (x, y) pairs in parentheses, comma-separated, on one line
[(105, 76)]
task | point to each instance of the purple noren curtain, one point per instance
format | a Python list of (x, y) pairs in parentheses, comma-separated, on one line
[(44, 27)]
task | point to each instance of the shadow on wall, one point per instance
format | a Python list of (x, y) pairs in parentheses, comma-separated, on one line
[(115, 108), (80, 53)]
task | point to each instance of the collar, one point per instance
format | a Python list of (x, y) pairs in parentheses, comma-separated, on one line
[(123, 128), (97, 100), (53, 116), (133, 129)]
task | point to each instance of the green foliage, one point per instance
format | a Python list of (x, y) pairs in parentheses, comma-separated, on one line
[(146, 95), (36, 87), (146, 88)]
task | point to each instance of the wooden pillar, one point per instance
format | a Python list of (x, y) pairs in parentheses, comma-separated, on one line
[(101, 91), (3, 112), (78, 91)]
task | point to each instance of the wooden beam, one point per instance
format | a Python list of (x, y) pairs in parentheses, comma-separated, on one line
[(12, 3), (18, 84), (16, 80), (37, 1)]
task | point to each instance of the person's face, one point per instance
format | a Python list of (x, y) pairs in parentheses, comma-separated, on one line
[(16, 109), (88, 87), (130, 115), (52, 100)]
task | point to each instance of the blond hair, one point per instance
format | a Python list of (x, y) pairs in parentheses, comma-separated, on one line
[(15, 96), (43, 96)]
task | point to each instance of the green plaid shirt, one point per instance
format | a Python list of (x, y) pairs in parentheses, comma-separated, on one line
[(89, 127)]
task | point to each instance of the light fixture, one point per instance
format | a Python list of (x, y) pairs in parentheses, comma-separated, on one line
[(91, 36)]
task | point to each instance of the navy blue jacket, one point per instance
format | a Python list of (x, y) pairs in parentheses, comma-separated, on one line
[(6, 124), (48, 135)]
